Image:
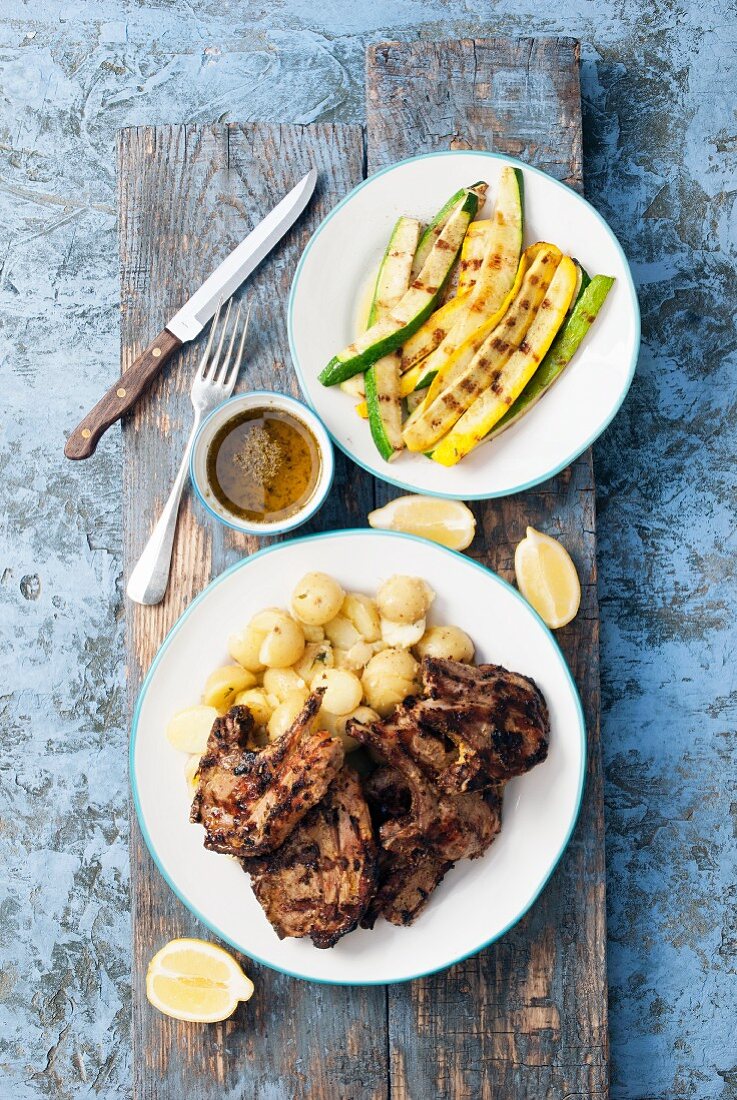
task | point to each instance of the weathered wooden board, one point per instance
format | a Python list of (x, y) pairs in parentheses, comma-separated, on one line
[(527, 1017), (187, 196)]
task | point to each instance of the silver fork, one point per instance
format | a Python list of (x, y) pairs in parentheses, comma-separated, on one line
[(213, 383)]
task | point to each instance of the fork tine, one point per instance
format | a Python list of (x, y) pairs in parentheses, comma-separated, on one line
[(212, 369), (206, 353), (223, 368), (230, 381)]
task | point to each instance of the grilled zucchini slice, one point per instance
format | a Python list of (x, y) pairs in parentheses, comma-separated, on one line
[(510, 380), (438, 223), (580, 319), (495, 279), (389, 333), (381, 380)]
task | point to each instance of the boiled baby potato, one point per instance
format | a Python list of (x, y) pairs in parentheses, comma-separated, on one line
[(449, 642), (363, 613), (404, 599), (283, 639), (343, 691), (245, 647), (402, 635), (317, 599), (317, 655), (280, 681), (190, 773), (285, 713), (257, 702), (342, 633), (189, 729), (335, 724), (388, 678), (222, 686)]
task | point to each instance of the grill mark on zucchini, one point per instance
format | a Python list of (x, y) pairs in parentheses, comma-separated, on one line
[(413, 308), (447, 400), (591, 297)]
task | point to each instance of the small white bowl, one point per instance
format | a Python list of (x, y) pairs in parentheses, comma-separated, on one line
[(260, 399)]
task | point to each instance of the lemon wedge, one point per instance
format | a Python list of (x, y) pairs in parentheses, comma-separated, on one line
[(547, 578), (449, 522), (196, 981)]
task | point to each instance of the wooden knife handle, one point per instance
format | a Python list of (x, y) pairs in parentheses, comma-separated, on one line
[(122, 396)]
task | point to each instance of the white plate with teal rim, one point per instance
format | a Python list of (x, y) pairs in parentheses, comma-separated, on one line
[(334, 279), (478, 901)]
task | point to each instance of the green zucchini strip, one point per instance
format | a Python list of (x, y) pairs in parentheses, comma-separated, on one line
[(383, 397), (590, 300), (417, 303), (436, 226), (495, 276)]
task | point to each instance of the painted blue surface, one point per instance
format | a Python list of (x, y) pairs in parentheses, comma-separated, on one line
[(661, 165)]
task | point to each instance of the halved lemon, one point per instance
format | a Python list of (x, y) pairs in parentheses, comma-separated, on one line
[(547, 578), (196, 981), (449, 522)]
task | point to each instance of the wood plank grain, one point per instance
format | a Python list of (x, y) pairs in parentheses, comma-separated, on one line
[(187, 195), (528, 1016)]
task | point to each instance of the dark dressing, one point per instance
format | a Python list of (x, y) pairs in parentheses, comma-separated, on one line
[(263, 465)]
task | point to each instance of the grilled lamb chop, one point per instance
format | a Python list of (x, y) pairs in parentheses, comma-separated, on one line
[(320, 881), (446, 826), (404, 887), (476, 726), (249, 802), (406, 881), (507, 725)]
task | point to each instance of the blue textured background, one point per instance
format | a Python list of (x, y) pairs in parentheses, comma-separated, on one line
[(661, 164)]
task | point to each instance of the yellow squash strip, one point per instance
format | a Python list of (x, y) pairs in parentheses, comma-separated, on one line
[(460, 359), (495, 276), (472, 254), (435, 329), (437, 415), (491, 405)]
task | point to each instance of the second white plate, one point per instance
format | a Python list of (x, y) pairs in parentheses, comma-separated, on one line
[(335, 273), (479, 900)]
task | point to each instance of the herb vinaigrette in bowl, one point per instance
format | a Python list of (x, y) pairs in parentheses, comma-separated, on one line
[(263, 465)]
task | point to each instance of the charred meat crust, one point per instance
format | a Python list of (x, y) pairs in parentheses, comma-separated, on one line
[(475, 726), (322, 878), (404, 887), (249, 802), (299, 821)]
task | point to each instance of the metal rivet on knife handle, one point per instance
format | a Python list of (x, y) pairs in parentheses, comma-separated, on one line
[(120, 399)]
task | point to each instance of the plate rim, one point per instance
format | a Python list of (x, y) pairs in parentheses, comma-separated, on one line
[(634, 305), (175, 628)]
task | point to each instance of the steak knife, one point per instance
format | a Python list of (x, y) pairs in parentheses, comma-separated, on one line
[(190, 320)]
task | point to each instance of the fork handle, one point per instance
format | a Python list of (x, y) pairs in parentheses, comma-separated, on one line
[(122, 396), (149, 579)]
